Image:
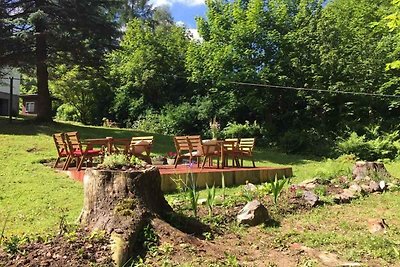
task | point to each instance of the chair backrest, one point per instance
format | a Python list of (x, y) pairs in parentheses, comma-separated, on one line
[(136, 139), (73, 141), (194, 142), (61, 145), (231, 143), (140, 144), (181, 144), (247, 144)]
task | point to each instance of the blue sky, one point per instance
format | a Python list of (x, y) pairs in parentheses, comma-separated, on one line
[(184, 10)]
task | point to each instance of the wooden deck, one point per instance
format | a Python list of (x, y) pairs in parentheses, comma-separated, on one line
[(209, 175)]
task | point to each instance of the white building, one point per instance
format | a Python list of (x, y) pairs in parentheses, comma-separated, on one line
[(5, 91)]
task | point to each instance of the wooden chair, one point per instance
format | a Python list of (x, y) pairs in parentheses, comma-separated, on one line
[(231, 150), (140, 147), (187, 147), (76, 151), (62, 148), (210, 149), (246, 147)]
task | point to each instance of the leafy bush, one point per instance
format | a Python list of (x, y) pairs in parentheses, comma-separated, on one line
[(372, 146), (238, 130), (304, 141), (67, 112), (181, 119), (115, 161)]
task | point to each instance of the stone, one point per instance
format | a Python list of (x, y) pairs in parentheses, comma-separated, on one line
[(309, 184), (373, 186), (355, 188), (201, 201), (311, 198), (250, 187), (253, 213), (382, 185), (344, 197), (376, 226)]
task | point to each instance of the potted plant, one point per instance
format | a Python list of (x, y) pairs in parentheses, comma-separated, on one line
[(158, 160), (171, 158)]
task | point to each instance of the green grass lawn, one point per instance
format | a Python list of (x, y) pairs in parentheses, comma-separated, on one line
[(34, 197)]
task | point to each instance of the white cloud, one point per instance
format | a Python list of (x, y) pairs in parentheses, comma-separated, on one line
[(183, 2), (195, 34)]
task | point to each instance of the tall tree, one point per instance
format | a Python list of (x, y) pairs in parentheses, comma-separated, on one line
[(46, 32), (148, 67)]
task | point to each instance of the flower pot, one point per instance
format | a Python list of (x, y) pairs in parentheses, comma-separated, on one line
[(171, 161)]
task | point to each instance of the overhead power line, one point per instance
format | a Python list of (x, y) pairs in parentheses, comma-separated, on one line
[(313, 89)]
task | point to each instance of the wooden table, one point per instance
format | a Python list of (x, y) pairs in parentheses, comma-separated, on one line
[(221, 144), (110, 143)]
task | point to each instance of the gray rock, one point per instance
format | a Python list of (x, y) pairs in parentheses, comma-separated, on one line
[(250, 187), (311, 198), (382, 185), (253, 213), (355, 188), (309, 184), (373, 186), (344, 197), (201, 201)]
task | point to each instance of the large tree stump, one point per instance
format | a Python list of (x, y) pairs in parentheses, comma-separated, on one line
[(122, 203), (362, 169)]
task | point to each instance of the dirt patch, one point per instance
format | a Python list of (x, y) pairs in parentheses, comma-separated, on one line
[(73, 249)]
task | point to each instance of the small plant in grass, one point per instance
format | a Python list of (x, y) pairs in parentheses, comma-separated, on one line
[(193, 195), (210, 199), (320, 190), (149, 239), (265, 189), (277, 186), (114, 161), (223, 186)]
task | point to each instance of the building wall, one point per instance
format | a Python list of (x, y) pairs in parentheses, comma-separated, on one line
[(5, 90), (4, 99), (5, 81)]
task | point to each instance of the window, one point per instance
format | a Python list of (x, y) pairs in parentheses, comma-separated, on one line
[(30, 107)]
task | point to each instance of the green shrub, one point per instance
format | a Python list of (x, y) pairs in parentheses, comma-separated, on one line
[(115, 161), (304, 141), (238, 130), (372, 146), (67, 112)]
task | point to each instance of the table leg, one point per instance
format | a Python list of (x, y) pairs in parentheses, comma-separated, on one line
[(222, 156)]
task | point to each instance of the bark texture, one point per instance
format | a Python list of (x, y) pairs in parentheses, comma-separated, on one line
[(362, 169), (122, 203)]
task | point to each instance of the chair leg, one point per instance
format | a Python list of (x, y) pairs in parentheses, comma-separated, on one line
[(79, 167), (254, 165), (67, 162), (241, 162), (176, 160), (57, 161), (204, 162)]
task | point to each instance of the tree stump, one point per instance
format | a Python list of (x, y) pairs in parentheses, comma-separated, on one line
[(122, 203), (363, 169)]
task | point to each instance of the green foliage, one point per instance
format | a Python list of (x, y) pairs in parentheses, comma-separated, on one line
[(193, 195), (210, 199), (84, 89), (148, 68), (148, 238), (372, 146), (277, 187), (114, 161), (238, 130), (177, 120), (67, 112)]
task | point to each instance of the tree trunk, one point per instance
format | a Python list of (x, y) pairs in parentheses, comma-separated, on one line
[(42, 76), (362, 169), (122, 203)]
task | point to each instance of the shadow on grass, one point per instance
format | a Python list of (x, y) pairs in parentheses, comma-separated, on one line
[(29, 127), (188, 225)]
